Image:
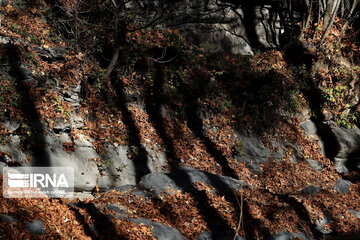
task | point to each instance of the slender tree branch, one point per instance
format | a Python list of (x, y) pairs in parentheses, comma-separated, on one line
[(330, 24)]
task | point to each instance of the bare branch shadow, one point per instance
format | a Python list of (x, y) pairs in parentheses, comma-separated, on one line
[(103, 227), (140, 160), (35, 138), (155, 99)]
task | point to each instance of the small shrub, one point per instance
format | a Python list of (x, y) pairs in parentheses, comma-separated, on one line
[(224, 103), (294, 103)]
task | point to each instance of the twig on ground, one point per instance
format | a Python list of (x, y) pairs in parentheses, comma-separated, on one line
[(241, 220)]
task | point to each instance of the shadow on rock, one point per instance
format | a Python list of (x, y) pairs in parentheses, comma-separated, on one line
[(35, 137), (140, 159)]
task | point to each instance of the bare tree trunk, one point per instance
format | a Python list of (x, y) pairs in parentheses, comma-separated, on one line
[(342, 9), (75, 13), (116, 52), (319, 17), (336, 7), (331, 22), (114, 60), (348, 18), (306, 24), (328, 9)]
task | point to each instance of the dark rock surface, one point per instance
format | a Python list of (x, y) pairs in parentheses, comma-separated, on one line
[(315, 164), (254, 152), (289, 236), (342, 186), (311, 190), (51, 54), (6, 218), (36, 227), (160, 231), (183, 178), (349, 150), (218, 235)]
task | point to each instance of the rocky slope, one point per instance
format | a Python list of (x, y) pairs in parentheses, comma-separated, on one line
[(196, 145)]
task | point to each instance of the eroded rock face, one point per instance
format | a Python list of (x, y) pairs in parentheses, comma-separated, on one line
[(115, 170), (184, 178), (228, 37), (51, 54), (100, 227), (218, 25), (254, 153), (235, 30), (349, 150), (348, 142)]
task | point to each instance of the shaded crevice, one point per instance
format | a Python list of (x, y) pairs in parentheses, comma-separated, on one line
[(323, 130), (249, 23), (353, 160), (298, 56)]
